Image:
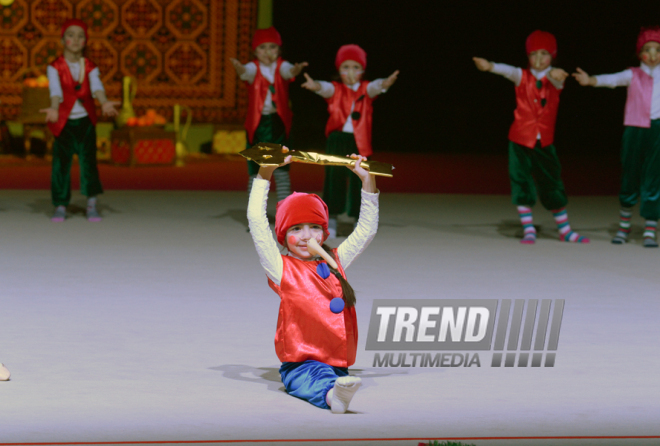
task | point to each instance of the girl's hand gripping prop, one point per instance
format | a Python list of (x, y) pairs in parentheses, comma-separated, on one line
[(267, 154), (314, 249)]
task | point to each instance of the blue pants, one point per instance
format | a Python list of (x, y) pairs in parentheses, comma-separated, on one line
[(310, 380)]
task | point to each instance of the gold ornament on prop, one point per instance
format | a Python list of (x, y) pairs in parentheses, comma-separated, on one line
[(268, 154), (129, 90), (181, 134), (6, 2)]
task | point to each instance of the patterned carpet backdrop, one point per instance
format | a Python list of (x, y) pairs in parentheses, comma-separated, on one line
[(178, 50)]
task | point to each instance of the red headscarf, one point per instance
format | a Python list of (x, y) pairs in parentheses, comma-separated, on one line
[(300, 208), (267, 35), (74, 22), (647, 35), (541, 40), (351, 52)]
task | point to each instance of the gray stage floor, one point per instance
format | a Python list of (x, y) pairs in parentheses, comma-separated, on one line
[(157, 325)]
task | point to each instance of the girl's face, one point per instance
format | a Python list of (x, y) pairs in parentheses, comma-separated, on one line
[(540, 59), (350, 72), (650, 54), (74, 39), (267, 53), (297, 236)]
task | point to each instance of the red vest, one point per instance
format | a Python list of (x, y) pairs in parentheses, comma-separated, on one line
[(306, 328), (257, 92), (339, 106), (531, 117), (71, 95)]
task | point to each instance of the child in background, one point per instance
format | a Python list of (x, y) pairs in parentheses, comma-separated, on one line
[(349, 127), (269, 116), (74, 82), (316, 337), (532, 155), (640, 148)]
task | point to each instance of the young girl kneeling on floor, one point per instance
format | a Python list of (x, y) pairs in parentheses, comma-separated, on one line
[(316, 337)]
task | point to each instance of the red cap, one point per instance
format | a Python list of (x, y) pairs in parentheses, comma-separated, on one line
[(647, 35), (541, 40), (351, 52), (74, 22), (300, 208), (268, 35)]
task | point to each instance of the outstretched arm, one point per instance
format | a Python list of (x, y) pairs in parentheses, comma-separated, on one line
[(311, 84), (381, 85), (367, 224), (297, 68), (107, 107), (238, 66), (584, 79), (621, 79), (514, 74), (482, 64), (269, 254)]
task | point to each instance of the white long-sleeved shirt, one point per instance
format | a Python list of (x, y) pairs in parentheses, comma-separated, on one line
[(374, 88), (623, 79), (269, 254), (268, 72), (514, 74), (55, 86)]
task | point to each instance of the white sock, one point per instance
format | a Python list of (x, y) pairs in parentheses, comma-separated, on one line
[(340, 396), (91, 202)]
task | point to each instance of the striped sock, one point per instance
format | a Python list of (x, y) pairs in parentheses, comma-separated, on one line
[(649, 234), (529, 231), (621, 236), (564, 228)]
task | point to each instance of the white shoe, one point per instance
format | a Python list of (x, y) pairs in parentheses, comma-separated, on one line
[(4, 373), (343, 392)]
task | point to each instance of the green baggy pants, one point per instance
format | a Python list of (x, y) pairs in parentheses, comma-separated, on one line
[(640, 161), (78, 137), (271, 129), (337, 178), (530, 169)]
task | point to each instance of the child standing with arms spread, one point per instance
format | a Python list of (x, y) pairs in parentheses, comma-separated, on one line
[(316, 337), (532, 155), (269, 116), (74, 83), (349, 127), (640, 148)]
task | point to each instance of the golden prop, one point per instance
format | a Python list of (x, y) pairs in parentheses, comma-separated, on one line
[(181, 132), (267, 154), (314, 249), (128, 92)]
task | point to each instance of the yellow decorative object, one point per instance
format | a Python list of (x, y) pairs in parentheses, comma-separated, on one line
[(181, 134), (267, 154), (103, 148), (229, 141), (128, 92)]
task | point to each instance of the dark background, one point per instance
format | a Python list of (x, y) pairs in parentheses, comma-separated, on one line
[(441, 102)]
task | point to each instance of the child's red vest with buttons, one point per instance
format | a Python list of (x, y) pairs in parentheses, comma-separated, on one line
[(536, 111), (306, 328), (257, 92), (339, 107), (71, 95)]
